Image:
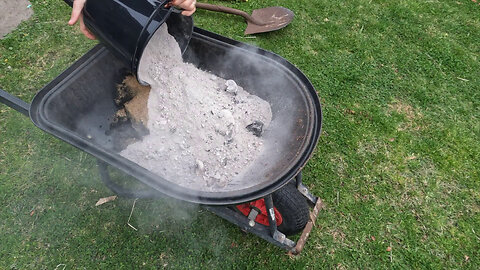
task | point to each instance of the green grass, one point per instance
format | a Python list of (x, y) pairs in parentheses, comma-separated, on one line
[(397, 164)]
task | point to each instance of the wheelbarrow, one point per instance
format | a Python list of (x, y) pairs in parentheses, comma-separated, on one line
[(77, 107)]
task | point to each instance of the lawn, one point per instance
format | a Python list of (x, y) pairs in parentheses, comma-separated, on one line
[(397, 163)]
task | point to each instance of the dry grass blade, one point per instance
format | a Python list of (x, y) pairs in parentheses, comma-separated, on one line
[(131, 212), (105, 200)]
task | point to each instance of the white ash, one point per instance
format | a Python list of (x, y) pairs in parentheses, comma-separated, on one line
[(197, 121)]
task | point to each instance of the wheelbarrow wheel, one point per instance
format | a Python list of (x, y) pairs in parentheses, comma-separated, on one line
[(290, 207), (293, 207)]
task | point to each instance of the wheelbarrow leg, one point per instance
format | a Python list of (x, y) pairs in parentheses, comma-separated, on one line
[(311, 199), (277, 235), (120, 190)]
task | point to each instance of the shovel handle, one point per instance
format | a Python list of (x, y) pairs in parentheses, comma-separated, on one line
[(230, 11)]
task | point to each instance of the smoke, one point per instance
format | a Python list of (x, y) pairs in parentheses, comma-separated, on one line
[(261, 73), (271, 78), (164, 215)]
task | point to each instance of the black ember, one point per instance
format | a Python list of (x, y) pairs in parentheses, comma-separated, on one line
[(256, 128)]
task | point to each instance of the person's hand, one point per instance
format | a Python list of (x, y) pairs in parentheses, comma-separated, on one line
[(188, 6), (78, 16)]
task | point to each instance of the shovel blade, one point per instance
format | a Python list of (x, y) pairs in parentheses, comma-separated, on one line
[(273, 18)]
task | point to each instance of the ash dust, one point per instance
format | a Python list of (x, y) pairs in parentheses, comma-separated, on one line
[(196, 120), (176, 226)]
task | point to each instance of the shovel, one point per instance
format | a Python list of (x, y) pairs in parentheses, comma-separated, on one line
[(262, 20)]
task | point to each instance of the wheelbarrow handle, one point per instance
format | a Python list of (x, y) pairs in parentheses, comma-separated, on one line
[(230, 11), (14, 102)]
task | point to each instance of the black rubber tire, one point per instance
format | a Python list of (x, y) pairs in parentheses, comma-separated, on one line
[(293, 207)]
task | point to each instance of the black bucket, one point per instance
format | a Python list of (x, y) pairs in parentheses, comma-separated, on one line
[(126, 26)]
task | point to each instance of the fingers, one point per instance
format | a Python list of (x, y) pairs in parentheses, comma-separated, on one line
[(190, 12), (76, 11), (188, 6), (177, 2), (77, 16), (85, 30)]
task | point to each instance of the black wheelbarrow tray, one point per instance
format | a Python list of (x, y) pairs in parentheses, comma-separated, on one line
[(78, 106)]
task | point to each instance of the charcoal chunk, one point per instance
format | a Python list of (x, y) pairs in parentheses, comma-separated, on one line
[(256, 128)]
